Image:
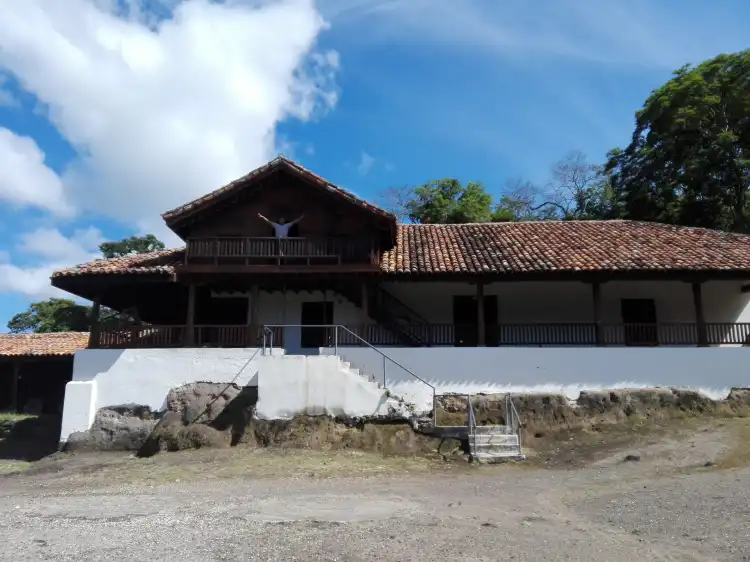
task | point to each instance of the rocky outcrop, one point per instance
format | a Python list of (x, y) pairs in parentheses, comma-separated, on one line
[(201, 401), (117, 428), (224, 415), (546, 411)]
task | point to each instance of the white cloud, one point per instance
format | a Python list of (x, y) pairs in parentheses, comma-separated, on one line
[(160, 107), (164, 111), (366, 162), (25, 180), (617, 31), (47, 249)]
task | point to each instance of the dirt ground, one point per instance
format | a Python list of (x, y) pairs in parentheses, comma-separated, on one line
[(576, 498)]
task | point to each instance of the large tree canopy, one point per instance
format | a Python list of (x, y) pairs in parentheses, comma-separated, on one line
[(576, 190), (132, 245), (689, 159), (65, 315), (53, 315)]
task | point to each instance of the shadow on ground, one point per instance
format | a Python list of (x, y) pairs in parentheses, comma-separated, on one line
[(29, 439)]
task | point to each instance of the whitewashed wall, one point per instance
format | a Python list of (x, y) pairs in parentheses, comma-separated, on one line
[(287, 385), (573, 302), (286, 308), (569, 370), (526, 302)]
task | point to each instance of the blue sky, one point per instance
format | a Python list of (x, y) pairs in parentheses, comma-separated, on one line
[(113, 111)]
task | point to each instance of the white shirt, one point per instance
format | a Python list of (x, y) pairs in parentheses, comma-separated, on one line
[(281, 230)]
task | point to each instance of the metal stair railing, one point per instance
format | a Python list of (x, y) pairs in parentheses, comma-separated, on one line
[(514, 420), (268, 332)]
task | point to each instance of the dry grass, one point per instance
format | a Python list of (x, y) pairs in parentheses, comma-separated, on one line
[(738, 455), (97, 469), (583, 445)]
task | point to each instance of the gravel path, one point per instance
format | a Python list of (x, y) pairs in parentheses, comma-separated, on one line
[(306, 506), (503, 514)]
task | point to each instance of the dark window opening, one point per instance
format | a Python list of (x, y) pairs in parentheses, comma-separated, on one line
[(639, 317), (466, 321), (316, 315)]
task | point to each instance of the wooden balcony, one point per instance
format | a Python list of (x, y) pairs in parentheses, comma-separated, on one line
[(517, 335), (322, 253)]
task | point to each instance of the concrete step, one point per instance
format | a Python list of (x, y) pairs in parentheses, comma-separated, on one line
[(490, 458), (493, 430), (490, 440)]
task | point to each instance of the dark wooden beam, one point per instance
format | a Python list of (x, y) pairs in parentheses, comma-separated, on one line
[(14, 378), (700, 318), (365, 299), (94, 322), (596, 297), (481, 328), (190, 316), (333, 268)]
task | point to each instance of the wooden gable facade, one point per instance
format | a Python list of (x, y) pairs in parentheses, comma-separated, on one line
[(337, 231)]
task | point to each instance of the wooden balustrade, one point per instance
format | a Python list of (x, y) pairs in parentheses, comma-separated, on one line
[(576, 334), (254, 249)]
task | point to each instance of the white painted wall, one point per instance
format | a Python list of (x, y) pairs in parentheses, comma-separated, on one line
[(80, 407), (286, 308), (565, 301), (524, 302), (287, 385), (318, 385), (569, 370)]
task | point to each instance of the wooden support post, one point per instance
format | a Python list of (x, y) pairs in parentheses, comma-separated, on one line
[(596, 295), (14, 378), (481, 328), (95, 328), (189, 339), (365, 299), (700, 318), (254, 301)]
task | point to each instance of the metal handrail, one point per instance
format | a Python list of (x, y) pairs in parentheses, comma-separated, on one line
[(510, 408), (472, 423), (267, 329)]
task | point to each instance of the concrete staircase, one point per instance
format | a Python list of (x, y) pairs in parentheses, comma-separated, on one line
[(494, 443)]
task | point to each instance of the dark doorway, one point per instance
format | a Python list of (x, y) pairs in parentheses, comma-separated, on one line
[(639, 317), (466, 324), (316, 313)]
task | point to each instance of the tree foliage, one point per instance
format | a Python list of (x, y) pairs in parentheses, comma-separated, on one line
[(576, 190), (53, 315), (689, 159), (65, 315), (132, 245)]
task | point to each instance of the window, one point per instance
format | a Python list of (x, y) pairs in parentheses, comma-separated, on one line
[(639, 317)]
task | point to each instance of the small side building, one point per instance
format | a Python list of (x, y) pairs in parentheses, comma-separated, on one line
[(34, 369)]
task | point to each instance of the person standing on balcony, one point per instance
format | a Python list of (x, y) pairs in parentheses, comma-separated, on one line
[(281, 228)]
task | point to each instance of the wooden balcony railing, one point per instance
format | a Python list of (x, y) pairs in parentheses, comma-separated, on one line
[(580, 334), (250, 250)]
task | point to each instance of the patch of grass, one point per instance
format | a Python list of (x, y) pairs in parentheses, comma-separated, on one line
[(577, 447), (9, 419), (9, 466), (104, 469), (739, 455)]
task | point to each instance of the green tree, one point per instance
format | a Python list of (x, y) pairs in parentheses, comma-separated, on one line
[(53, 315), (448, 201), (689, 160), (132, 245)]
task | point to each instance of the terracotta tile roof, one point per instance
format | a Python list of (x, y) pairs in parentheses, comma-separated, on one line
[(564, 246), (161, 262), (518, 248), (59, 343), (279, 162)]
